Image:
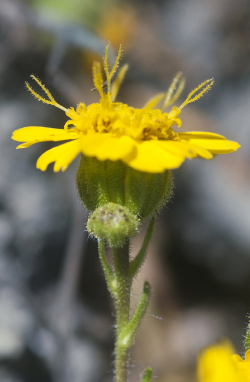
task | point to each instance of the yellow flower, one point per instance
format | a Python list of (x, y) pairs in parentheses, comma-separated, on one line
[(141, 138), (243, 366), (218, 364)]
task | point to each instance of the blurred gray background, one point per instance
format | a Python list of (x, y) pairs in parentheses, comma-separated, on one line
[(56, 320)]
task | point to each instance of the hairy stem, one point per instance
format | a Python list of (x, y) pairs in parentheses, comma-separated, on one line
[(119, 279), (122, 303)]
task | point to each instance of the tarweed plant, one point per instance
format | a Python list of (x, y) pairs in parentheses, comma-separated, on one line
[(124, 177)]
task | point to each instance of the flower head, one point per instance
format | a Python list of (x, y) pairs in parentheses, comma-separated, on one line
[(143, 139), (218, 364)]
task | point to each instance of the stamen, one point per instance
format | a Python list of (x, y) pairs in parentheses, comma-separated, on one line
[(97, 77), (105, 61), (46, 91), (206, 85), (118, 57), (174, 91), (154, 101), (104, 85), (109, 75), (117, 82)]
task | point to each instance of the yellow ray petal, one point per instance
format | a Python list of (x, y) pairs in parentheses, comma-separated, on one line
[(177, 148), (34, 134), (198, 151), (62, 155), (104, 146), (215, 146), (184, 149), (151, 158), (200, 135)]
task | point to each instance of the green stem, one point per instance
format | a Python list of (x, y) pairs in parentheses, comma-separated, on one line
[(122, 302), (119, 282), (137, 262)]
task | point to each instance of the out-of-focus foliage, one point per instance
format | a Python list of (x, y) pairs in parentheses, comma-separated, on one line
[(85, 12)]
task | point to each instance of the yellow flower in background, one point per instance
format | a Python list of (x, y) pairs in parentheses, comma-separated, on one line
[(118, 25), (243, 366), (143, 139), (218, 364)]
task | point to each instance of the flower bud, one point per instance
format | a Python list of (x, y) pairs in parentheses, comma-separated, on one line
[(113, 223)]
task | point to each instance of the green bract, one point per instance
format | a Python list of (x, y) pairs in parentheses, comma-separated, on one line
[(103, 182)]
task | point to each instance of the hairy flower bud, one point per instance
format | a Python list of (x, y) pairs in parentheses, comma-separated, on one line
[(113, 223)]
